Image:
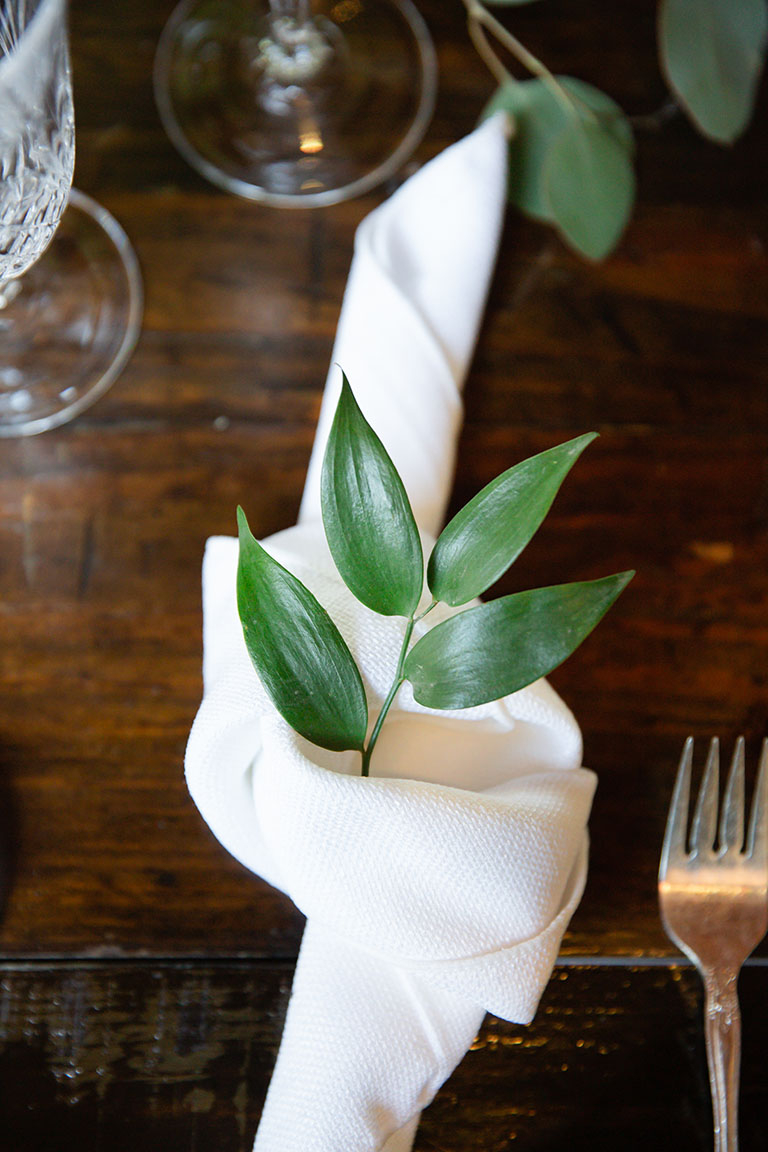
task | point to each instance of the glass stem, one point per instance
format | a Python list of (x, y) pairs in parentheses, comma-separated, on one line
[(295, 12), (297, 48)]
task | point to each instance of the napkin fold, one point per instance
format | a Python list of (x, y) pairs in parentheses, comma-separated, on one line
[(411, 312), (439, 888)]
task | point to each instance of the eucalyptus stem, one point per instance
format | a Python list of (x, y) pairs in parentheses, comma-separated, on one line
[(394, 688), (479, 19), (480, 40)]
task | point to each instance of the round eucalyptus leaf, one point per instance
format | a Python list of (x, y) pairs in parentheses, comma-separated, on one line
[(299, 653), (589, 184), (488, 534), (487, 652), (539, 117), (368, 520), (712, 54)]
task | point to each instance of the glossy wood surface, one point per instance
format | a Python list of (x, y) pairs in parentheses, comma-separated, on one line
[(662, 349), (170, 1056)]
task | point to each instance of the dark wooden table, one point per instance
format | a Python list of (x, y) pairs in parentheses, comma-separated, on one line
[(144, 972)]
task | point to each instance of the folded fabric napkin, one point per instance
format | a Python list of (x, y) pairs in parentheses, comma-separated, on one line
[(439, 888)]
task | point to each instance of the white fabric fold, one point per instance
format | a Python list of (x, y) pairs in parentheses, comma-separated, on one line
[(411, 314), (439, 888)]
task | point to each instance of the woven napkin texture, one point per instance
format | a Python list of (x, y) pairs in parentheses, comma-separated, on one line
[(436, 890), (439, 888)]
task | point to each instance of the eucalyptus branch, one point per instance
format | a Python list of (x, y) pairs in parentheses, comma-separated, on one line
[(571, 147)]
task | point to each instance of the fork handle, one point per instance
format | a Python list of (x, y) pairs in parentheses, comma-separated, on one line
[(723, 1038)]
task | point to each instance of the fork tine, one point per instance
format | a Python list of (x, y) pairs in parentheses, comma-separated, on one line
[(674, 850), (757, 839), (731, 834), (705, 815)]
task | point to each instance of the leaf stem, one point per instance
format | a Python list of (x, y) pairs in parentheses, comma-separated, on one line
[(428, 608), (479, 38), (394, 688)]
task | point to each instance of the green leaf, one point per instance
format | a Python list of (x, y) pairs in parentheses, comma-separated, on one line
[(589, 184), (367, 516), (297, 650), (712, 54), (487, 652), (491, 531), (539, 117)]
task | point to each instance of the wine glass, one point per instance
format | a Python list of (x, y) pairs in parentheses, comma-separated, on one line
[(70, 290), (296, 103)]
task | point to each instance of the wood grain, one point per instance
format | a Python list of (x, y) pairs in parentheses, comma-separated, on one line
[(173, 1056), (102, 523), (144, 974)]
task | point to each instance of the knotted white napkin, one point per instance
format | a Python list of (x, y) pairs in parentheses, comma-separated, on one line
[(439, 888)]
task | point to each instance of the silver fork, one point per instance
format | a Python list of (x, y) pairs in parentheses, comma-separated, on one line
[(714, 906)]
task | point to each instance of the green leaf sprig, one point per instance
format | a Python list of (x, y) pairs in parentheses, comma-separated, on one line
[(571, 151), (477, 655)]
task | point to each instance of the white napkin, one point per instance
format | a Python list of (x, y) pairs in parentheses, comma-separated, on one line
[(439, 888), (411, 312)]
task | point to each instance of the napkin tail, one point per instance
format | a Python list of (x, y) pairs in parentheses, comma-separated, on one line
[(402, 1140), (411, 312), (344, 999)]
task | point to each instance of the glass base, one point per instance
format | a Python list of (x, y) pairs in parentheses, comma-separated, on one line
[(302, 128), (70, 323)]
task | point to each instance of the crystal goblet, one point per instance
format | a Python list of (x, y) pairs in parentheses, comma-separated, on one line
[(70, 290)]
